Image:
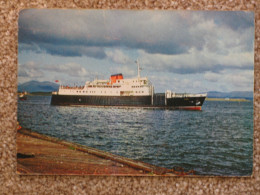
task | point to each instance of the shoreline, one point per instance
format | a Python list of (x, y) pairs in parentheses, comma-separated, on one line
[(228, 99), (38, 154)]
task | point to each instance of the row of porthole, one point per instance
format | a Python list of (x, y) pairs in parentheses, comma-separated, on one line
[(91, 92), (123, 81), (105, 92), (86, 92), (137, 86)]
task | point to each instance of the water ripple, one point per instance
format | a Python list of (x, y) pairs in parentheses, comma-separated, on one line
[(216, 141)]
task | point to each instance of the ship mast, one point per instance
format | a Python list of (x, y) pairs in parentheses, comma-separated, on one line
[(138, 68)]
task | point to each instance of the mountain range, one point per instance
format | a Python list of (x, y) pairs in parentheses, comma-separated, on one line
[(46, 86), (233, 94), (36, 86)]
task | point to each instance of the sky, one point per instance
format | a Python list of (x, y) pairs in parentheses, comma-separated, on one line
[(182, 51)]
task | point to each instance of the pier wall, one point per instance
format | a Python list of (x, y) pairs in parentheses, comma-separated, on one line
[(41, 154)]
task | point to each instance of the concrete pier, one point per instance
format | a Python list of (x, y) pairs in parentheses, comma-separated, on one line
[(39, 154)]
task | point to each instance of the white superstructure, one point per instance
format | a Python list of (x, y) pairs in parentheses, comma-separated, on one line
[(115, 86), (170, 94)]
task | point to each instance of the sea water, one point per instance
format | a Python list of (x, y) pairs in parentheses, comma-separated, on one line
[(215, 141)]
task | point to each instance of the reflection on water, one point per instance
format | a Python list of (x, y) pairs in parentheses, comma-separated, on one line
[(215, 141)]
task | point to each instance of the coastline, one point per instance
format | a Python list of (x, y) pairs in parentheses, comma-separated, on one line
[(228, 99), (38, 154)]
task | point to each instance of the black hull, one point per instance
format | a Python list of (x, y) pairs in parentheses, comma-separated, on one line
[(101, 100), (189, 103)]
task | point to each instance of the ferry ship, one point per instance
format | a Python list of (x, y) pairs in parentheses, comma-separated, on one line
[(121, 92)]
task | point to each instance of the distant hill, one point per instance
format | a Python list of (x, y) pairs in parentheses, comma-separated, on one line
[(233, 94), (36, 86)]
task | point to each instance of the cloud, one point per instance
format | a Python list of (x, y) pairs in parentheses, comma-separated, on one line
[(118, 56), (226, 80), (154, 32), (69, 32), (242, 19), (75, 51), (196, 61), (176, 84), (22, 73), (240, 80), (64, 50), (30, 69), (71, 69), (210, 45), (212, 77)]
